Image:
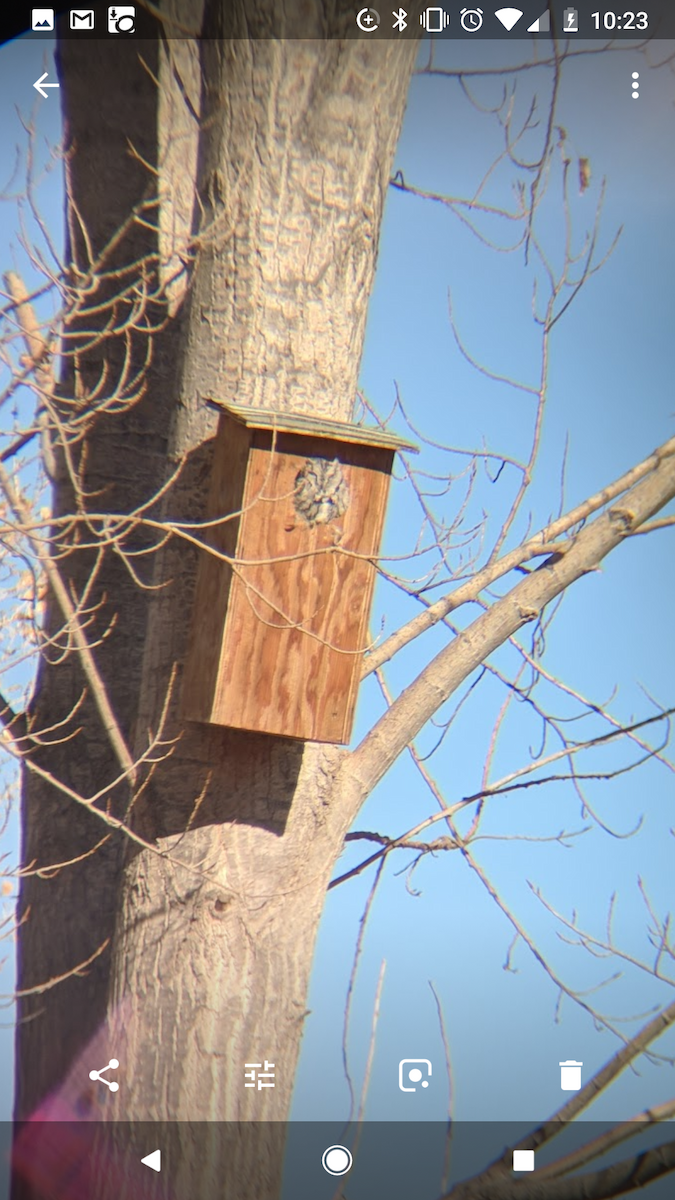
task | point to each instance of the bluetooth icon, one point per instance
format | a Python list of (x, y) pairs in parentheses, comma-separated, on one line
[(399, 19)]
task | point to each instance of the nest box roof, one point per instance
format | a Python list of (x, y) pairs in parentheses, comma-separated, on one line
[(292, 422)]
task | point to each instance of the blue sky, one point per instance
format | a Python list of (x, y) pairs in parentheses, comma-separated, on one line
[(611, 396)]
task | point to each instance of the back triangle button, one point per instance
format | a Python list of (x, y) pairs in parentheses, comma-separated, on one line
[(154, 1160)]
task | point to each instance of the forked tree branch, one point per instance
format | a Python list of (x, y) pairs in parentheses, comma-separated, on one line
[(99, 691), (534, 547), (409, 713), (38, 352), (14, 723)]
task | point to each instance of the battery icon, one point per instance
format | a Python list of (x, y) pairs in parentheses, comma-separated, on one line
[(571, 20)]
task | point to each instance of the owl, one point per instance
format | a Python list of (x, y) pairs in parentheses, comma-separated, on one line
[(321, 493)]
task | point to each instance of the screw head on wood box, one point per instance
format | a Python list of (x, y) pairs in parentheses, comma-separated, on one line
[(280, 621)]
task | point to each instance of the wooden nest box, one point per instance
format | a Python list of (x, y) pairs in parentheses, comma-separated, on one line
[(280, 621)]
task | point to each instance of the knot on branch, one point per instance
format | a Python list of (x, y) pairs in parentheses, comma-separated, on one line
[(625, 517), (527, 612)]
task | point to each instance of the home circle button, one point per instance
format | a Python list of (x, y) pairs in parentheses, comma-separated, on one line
[(336, 1160)]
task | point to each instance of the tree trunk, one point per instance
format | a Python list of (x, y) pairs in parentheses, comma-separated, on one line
[(298, 144), (212, 946)]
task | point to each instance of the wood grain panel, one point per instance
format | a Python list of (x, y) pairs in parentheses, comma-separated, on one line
[(214, 577), (297, 620)]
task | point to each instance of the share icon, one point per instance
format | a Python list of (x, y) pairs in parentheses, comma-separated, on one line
[(112, 1066)]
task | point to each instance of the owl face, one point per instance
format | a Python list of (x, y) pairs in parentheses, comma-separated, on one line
[(321, 493)]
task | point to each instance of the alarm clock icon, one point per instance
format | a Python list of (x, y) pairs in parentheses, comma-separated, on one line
[(471, 19)]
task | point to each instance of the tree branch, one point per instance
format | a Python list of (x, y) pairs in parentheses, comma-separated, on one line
[(370, 761), (534, 547), (98, 689), (12, 721)]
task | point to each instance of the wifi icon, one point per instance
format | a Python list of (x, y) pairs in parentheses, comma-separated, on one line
[(508, 16)]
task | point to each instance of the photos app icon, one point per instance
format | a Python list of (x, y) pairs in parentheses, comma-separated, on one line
[(42, 19), (122, 18)]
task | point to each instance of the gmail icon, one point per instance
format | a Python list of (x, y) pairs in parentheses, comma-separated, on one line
[(81, 18)]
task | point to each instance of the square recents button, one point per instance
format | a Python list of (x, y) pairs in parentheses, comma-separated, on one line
[(523, 1160)]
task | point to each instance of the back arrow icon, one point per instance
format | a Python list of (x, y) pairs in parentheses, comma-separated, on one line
[(40, 84)]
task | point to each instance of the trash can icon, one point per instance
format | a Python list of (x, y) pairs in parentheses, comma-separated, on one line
[(570, 1075)]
